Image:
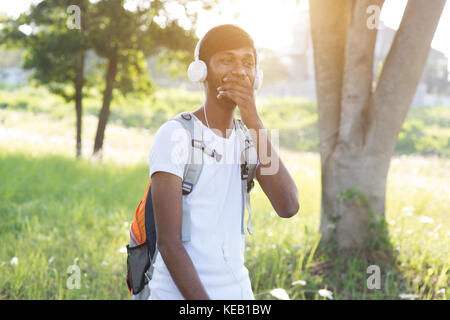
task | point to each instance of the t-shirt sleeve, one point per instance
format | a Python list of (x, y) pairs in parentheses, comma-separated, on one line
[(169, 151)]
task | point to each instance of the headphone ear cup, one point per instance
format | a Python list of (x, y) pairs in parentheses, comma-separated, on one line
[(197, 71), (257, 83)]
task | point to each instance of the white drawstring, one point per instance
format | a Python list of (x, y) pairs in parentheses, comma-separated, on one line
[(206, 118), (226, 257)]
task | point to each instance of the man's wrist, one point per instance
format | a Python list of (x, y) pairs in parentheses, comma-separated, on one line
[(252, 120)]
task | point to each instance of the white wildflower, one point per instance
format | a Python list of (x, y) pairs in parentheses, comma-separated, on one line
[(408, 209), (270, 233), (280, 294), (409, 231), (425, 219), (299, 282), (409, 296), (326, 293), (441, 291), (123, 250), (52, 258), (14, 261)]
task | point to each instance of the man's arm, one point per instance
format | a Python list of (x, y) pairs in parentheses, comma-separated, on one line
[(271, 174), (167, 207), (279, 186)]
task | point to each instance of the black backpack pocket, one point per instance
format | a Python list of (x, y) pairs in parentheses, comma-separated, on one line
[(138, 262)]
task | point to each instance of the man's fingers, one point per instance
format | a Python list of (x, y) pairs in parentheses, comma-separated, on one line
[(233, 87), (237, 97), (243, 81)]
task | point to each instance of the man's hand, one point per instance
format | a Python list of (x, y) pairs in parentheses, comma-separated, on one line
[(240, 90)]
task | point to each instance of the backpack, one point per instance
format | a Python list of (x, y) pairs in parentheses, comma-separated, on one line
[(142, 248)]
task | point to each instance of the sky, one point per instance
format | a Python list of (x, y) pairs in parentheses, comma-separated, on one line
[(267, 20)]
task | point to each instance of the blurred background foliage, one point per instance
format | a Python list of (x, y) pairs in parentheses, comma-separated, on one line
[(425, 131)]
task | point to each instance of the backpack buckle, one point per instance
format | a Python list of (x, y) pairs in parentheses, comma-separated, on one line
[(186, 187), (198, 144), (244, 171)]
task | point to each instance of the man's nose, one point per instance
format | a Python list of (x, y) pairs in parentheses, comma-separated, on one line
[(239, 69), (239, 72)]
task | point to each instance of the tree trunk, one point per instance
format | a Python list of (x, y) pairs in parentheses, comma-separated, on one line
[(358, 128), (79, 83), (104, 112)]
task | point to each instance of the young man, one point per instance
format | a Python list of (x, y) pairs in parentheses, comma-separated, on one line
[(211, 264)]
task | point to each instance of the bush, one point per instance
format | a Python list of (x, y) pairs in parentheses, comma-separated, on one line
[(409, 137), (416, 137)]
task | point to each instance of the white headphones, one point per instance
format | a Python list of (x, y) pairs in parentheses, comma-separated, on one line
[(198, 70)]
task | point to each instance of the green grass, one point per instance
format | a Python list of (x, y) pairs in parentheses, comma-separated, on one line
[(52, 206), (55, 210)]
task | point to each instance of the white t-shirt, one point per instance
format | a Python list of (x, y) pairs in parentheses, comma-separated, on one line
[(217, 245)]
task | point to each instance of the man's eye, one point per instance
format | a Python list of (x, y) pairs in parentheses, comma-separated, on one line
[(248, 63), (226, 60)]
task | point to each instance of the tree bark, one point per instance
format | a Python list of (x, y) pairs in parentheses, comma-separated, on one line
[(79, 83), (104, 112), (329, 58), (358, 128)]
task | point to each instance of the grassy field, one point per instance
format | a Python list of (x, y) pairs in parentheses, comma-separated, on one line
[(56, 212)]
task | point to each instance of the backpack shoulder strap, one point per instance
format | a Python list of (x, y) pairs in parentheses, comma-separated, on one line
[(192, 169), (194, 165), (249, 156), (249, 159)]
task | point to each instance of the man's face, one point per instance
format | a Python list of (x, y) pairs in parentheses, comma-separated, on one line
[(238, 63)]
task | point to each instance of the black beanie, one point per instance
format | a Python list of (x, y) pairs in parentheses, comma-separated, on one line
[(224, 37)]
